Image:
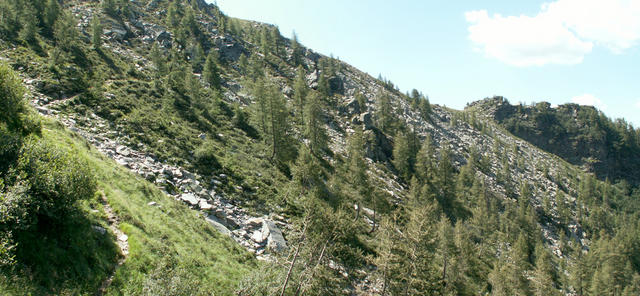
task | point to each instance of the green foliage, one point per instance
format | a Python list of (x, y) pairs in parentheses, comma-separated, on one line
[(314, 125), (297, 53), (300, 93), (210, 71), (384, 113), (403, 156), (11, 99), (65, 32), (272, 116), (96, 32)]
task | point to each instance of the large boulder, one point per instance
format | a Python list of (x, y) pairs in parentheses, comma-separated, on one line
[(217, 225), (189, 198), (272, 234)]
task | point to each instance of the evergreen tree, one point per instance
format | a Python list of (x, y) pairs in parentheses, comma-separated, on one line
[(357, 171), (109, 7), (384, 112), (29, 21), (96, 32), (402, 158), (300, 92), (273, 116), (447, 253), (362, 102), (314, 125), (446, 183), (543, 274), (158, 60), (210, 71), (65, 31), (296, 51), (256, 69)]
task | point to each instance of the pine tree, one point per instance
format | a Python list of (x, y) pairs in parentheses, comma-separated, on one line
[(158, 60), (323, 85), (543, 274), (65, 32), (256, 69), (362, 102), (110, 8), (296, 49), (447, 252), (384, 112), (314, 129), (29, 21), (357, 170), (210, 71), (96, 32), (402, 156), (446, 183), (272, 114), (300, 92)]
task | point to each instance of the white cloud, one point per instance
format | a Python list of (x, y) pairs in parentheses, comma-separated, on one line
[(589, 100), (563, 32), (638, 104)]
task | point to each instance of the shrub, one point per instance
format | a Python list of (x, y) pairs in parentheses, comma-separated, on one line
[(55, 180), (206, 161)]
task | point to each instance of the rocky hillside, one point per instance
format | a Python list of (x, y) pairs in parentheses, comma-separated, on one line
[(581, 135), (340, 183)]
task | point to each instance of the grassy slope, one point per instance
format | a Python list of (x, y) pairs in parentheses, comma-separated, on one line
[(167, 243)]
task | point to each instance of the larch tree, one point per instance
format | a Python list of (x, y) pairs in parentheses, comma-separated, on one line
[(210, 71), (314, 129), (96, 32), (300, 92)]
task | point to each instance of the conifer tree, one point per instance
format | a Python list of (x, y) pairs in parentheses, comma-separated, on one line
[(273, 119), (314, 129), (323, 85), (297, 54), (357, 170), (300, 92), (65, 31), (210, 71), (384, 112), (96, 32), (402, 156), (445, 182), (543, 274), (29, 22), (50, 15)]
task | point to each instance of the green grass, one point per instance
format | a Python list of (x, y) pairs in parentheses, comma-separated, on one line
[(172, 249)]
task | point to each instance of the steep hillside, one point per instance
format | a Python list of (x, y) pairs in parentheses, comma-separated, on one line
[(340, 183), (581, 135), (121, 236)]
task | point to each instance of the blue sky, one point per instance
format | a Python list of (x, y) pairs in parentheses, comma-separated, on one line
[(583, 51)]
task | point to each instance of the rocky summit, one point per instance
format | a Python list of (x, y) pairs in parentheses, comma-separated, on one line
[(155, 147)]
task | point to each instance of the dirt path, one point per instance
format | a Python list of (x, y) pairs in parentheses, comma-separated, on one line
[(121, 240)]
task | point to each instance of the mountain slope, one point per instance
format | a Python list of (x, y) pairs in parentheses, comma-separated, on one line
[(375, 191), (581, 135)]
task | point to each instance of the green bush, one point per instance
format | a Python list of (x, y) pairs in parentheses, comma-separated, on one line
[(55, 180), (206, 161)]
